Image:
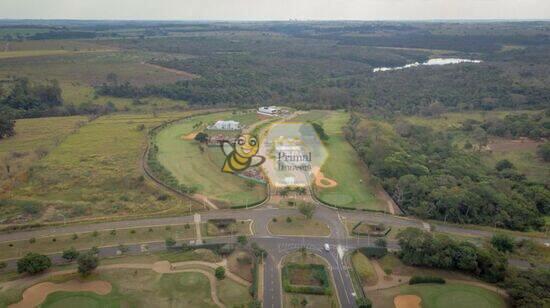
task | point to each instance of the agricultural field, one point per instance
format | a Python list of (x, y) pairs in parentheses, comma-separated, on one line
[(200, 166), (96, 172), (450, 295), (354, 189)]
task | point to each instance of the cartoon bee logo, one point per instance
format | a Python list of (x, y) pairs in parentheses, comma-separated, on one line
[(242, 154)]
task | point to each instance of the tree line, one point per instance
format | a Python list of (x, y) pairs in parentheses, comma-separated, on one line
[(428, 176)]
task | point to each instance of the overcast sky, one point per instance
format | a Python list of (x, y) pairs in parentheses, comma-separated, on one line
[(275, 9)]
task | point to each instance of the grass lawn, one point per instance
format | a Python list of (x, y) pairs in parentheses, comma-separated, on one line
[(232, 294), (343, 165), (80, 299), (364, 269), (298, 225), (190, 166), (96, 171), (451, 295)]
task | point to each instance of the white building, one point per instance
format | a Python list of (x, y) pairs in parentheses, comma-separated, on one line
[(269, 111), (225, 125)]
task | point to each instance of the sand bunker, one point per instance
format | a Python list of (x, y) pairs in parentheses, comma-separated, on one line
[(407, 301), (190, 136), (321, 180), (36, 294)]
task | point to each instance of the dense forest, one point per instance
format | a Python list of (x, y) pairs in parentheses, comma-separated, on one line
[(305, 65), (428, 176)]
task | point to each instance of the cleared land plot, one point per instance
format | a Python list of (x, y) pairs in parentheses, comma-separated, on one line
[(298, 225), (192, 167), (450, 295), (51, 244), (241, 263), (346, 168), (97, 171)]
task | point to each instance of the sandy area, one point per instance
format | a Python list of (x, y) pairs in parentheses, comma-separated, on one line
[(36, 294), (321, 180), (407, 301), (190, 136)]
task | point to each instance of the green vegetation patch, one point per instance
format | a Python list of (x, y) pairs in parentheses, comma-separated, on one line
[(454, 295), (298, 225), (80, 299), (354, 189), (199, 166), (306, 278)]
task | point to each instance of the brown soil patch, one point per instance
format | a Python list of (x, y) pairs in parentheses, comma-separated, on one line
[(407, 301), (190, 136), (303, 277), (184, 74), (504, 145), (36, 294), (321, 180)]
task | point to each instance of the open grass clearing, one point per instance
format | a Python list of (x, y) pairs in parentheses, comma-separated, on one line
[(354, 189), (97, 171), (450, 295), (298, 225), (33, 139), (233, 294), (391, 263), (202, 168)]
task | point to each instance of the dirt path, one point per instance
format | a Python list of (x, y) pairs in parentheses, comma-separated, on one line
[(171, 70), (407, 301), (36, 294)]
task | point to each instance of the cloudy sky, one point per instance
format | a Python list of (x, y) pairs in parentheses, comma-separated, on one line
[(275, 9)]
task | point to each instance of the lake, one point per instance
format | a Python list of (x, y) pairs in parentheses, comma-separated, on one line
[(436, 61)]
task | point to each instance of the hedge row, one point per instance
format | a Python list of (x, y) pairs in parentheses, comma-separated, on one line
[(316, 269), (426, 279), (374, 252)]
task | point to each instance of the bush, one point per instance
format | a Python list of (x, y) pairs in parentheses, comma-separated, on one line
[(374, 252), (3, 265), (242, 239), (87, 263), (70, 254), (426, 279), (364, 302), (33, 263), (170, 242), (503, 242), (220, 272)]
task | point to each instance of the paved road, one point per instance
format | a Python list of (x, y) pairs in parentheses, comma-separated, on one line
[(276, 246)]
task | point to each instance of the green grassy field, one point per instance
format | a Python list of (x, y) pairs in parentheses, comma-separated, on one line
[(97, 172), (450, 295), (364, 268), (299, 225), (345, 167), (190, 166), (80, 299)]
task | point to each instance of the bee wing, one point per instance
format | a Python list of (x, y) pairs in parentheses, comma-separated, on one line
[(227, 148), (256, 160)]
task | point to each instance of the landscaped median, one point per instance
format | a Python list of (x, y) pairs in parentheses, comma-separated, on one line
[(306, 280), (298, 225), (86, 240)]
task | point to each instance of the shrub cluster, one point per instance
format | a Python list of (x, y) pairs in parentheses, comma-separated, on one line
[(426, 279), (374, 252), (319, 273)]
